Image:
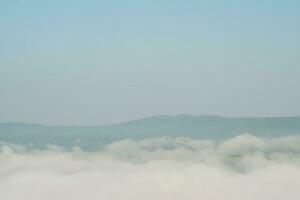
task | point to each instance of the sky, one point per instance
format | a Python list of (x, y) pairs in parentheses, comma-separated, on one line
[(100, 62)]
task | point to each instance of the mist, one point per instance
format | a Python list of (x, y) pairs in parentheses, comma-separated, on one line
[(161, 168)]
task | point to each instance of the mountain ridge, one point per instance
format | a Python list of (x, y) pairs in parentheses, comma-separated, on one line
[(203, 127), (161, 117)]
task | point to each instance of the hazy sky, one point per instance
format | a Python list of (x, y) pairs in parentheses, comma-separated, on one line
[(98, 62)]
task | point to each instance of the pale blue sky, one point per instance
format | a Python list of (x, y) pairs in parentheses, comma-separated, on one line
[(99, 62)]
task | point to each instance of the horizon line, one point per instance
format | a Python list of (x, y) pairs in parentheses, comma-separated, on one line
[(143, 118)]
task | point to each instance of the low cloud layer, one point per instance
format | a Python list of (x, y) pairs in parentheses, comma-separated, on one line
[(243, 167)]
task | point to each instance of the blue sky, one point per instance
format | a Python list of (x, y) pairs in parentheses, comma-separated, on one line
[(97, 62)]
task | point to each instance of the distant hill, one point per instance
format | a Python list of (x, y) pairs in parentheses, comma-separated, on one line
[(204, 126)]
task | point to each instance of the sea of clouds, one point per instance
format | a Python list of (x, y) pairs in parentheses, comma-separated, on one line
[(244, 167)]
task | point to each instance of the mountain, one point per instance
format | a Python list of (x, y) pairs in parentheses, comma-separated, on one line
[(204, 127)]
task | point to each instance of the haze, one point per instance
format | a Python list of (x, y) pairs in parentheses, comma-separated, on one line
[(69, 62)]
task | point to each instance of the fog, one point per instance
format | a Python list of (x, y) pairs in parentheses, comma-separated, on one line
[(243, 167)]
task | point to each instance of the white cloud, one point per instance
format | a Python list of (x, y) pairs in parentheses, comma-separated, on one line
[(244, 167)]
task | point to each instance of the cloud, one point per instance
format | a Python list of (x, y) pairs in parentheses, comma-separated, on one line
[(244, 167)]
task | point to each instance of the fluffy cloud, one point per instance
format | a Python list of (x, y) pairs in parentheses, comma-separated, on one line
[(244, 167)]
